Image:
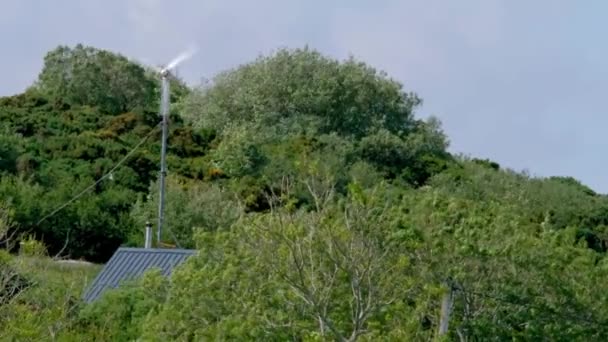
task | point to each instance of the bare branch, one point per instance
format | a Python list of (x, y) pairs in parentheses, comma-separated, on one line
[(65, 245)]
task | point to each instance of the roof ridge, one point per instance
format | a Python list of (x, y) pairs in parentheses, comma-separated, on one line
[(157, 250)]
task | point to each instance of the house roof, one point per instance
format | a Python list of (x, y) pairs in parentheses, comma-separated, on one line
[(130, 263)]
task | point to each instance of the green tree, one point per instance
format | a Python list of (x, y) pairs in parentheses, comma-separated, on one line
[(89, 76), (280, 112), (318, 275), (190, 206), (349, 97), (120, 313), (507, 267)]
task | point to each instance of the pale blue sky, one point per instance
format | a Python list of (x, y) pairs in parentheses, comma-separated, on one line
[(521, 82)]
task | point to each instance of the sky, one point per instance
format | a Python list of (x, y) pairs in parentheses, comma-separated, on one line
[(520, 82)]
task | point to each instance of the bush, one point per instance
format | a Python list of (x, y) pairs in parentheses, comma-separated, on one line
[(32, 247)]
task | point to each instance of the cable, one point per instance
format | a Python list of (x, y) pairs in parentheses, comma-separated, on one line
[(59, 208)]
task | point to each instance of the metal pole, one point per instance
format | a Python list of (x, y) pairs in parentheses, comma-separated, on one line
[(148, 241), (163, 152)]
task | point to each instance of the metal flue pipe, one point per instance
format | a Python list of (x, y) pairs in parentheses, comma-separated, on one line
[(148, 236)]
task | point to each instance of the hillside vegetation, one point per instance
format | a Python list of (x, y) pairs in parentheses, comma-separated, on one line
[(322, 208)]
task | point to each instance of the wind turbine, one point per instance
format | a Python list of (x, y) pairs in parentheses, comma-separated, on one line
[(165, 74)]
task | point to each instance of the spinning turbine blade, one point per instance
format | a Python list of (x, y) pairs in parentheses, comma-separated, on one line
[(180, 58), (146, 63)]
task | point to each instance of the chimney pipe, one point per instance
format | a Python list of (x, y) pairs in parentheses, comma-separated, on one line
[(148, 242)]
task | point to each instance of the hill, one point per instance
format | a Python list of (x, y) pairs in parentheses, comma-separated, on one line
[(57, 141), (321, 207)]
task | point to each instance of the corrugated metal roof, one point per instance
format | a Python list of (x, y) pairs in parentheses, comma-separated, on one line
[(130, 263)]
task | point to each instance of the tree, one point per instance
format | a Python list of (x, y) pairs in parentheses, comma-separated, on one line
[(350, 98), (336, 264), (89, 76), (291, 275), (281, 111), (190, 206), (506, 267)]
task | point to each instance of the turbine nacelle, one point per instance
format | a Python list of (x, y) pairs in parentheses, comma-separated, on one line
[(164, 73)]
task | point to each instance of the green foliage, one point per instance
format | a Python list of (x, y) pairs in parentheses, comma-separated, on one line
[(47, 308), (238, 153), (290, 275), (89, 76), (349, 98), (190, 207), (488, 235), (487, 163), (297, 107), (321, 209), (365, 265), (87, 111), (31, 247), (11, 281), (293, 113), (415, 158), (120, 313)]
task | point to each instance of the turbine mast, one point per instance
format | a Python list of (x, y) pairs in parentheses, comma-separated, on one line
[(163, 153), (165, 74)]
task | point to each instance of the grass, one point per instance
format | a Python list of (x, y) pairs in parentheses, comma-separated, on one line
[(50, 304), (47, 273)]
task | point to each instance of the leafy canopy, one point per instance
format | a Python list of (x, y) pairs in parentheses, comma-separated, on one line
[(303, 86), (321, 208)]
